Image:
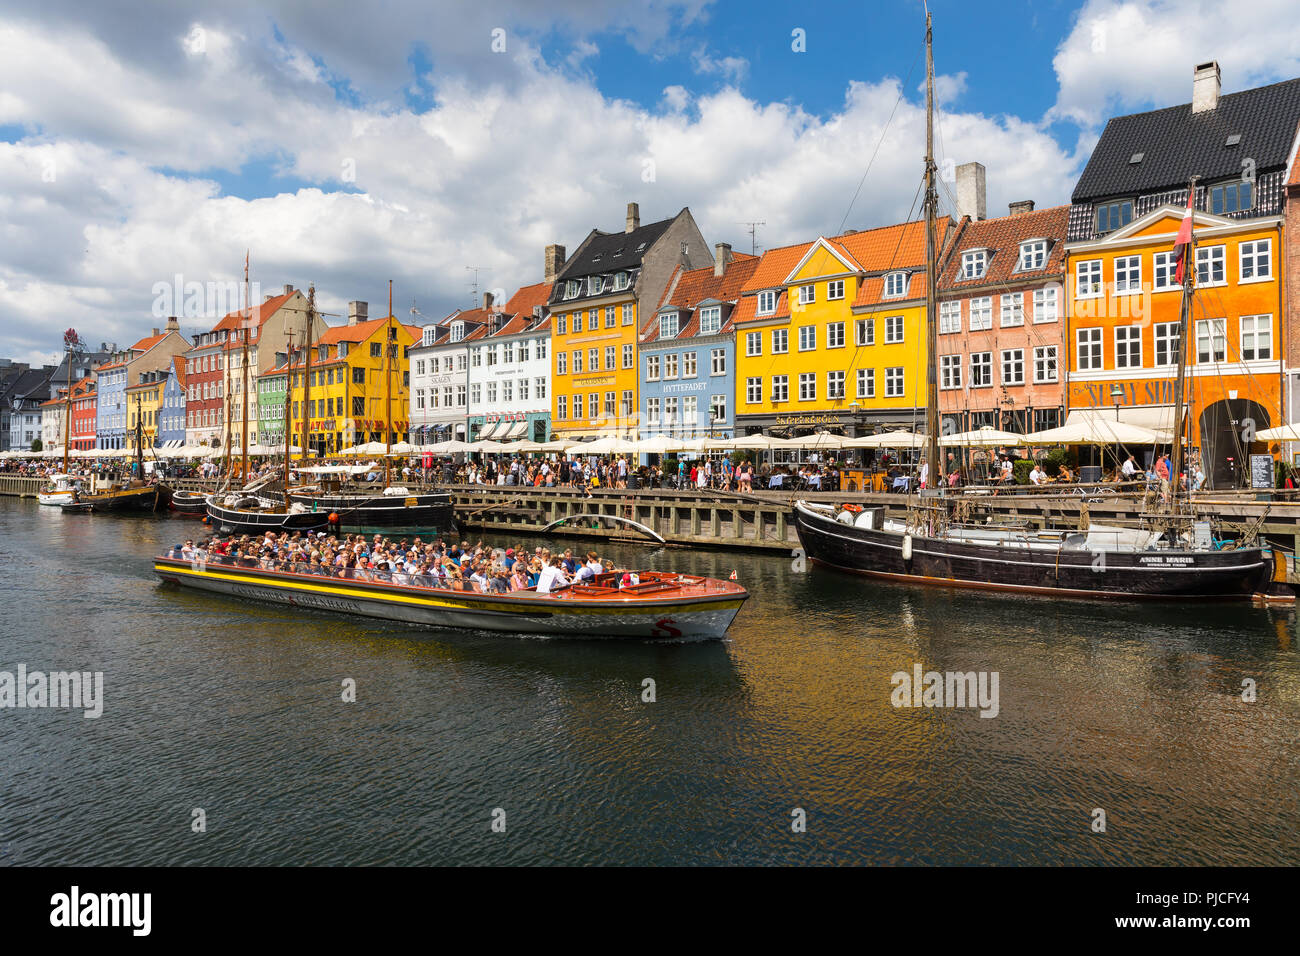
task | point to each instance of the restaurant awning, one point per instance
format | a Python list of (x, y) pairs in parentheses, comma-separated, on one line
[(517, 430), (1153, 418)]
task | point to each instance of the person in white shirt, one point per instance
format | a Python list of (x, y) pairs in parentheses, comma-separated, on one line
[(924, 473), (592, 568), (1035, 476), (1006, 469), (1128, 468), (552, 576)]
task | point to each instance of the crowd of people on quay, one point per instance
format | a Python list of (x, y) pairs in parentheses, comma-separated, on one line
[(417, 562)]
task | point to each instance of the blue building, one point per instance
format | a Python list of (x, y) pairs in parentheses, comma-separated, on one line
[(688, 352), (171, 413), (128, 367)]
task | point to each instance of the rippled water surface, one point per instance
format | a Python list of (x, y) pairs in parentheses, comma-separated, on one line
[(235, 708)]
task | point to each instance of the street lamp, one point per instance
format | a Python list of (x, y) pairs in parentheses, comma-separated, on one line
[(1117, 396)]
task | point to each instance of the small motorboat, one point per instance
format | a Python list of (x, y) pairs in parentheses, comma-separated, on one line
[(663, 605), (189, 502), (59, 491)]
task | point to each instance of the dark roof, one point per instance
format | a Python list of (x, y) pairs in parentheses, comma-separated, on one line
[(32, 385), (1177, 143), (605, 253)]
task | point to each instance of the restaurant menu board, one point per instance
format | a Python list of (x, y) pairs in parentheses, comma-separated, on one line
[(1261, 471)]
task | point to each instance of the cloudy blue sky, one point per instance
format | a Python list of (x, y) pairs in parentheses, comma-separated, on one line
[(347, 143)]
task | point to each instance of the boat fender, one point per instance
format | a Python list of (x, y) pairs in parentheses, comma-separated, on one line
[(334, 518), (844, 517), (907, 547)]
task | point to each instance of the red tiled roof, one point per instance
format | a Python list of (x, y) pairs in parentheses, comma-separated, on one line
[(353, 334), (260, 313), (529, 297), (178, 363), (686, 290), (1002, 237), (144, 345)]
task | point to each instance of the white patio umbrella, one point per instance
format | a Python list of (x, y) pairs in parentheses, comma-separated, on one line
[(658, 445), (1279, 433), (1096, 431), (402, 448), (489, 446), (987, 437), (814, 441), (895, 439), (450, 447)]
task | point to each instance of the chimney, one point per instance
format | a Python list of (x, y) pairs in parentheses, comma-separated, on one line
[(970, 191), (156, 331), (1206, 83), (487, 301), (288, 289), (172, 324), (268, 297), (633, 217), (554, 261), (357, 312), (721, 256), (1021, 207)]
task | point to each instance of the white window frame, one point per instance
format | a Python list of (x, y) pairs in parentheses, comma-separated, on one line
[(1046, 364), (1166, 335), (981, 313), (753, 343), (1033, 255), (1090, 338), (766, 302), (1252, 253), (1042, 300), (974, 263), (807, 386), (807, 338), (1211, 256), (1262, 326), (867, 326), (866, 383), (895, 285), (1011, 309), (1088, 283), (1205, 330), (807, 294), (835, 335), (780, 388), (834, 290), (780, 341), (950, 317), (895, 382), (1164, 270), (895, 328), (835, 385), (950, 371), (981, 367), (1013, 366), (754, 390), (1128, 275), (1125, 337)]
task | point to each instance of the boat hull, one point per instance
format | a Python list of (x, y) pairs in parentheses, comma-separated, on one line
[(123, 501), (1153, 574), (54, 498), (189, 502), (229, 520), (706, 616), (415, 514)]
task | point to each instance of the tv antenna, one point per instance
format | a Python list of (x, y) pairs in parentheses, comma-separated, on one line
[(753, 225), (474, 285)]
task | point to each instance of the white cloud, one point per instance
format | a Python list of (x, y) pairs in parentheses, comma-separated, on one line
[(496, 168), (1125, 55), (731, 69)]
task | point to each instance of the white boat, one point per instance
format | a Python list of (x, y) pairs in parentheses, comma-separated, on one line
[(59, 491)]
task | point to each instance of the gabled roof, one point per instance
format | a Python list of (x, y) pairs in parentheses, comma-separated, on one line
[(528, 298), (613, 251), (1176, 143), (688, 290), (260, 313), (178, 366), (359, 332), (1002, 237), (145, 344)]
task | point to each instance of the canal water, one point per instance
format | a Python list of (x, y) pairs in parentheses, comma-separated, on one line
[(779, 745)]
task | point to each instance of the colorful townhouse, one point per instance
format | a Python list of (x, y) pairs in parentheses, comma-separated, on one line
[(830, 334), (124, 369), (143, 403), (688, 351), (272, 390), (601, 301), (440, 375), (1123, 299), (214, 365), (57, 420), (1001, 318), (510, 369), (84, 414), (359, 386), (171, 409)]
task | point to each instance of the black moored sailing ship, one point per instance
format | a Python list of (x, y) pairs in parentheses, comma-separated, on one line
[(1173, 556)]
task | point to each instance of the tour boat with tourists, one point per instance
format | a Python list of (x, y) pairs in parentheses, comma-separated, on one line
[(1174, 554), (613, 604)]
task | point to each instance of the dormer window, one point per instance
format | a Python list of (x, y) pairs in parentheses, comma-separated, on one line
[(457, 331), (595, 284), (429, 335), (974, 264), (1114, 215), (766, 302), (621, 281), (572, 288), (1230, 197), (895, 285), (668, 325), (1033, 255), (710, 319)]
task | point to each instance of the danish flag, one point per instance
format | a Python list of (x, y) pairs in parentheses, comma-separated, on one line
[(733, 575), (1184, 240)]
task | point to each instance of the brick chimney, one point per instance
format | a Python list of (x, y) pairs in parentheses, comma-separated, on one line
[(487, 301), (172, 324), (1021, 207), (288, 289), (970, 191), (633, 217), (554, 261), (156, 331), (1206, 83), (721, 256), (357, 312)]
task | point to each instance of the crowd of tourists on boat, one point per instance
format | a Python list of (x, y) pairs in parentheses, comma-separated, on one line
[(415, 562)]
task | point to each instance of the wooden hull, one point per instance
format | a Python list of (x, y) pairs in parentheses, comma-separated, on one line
[(423, 513), (189, 502), (705, 612), (1155, 574), (125, 501), (229, 520)]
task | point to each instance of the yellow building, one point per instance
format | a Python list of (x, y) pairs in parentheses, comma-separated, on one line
[(142, 403), (600, 302), (830, 334), (354, 389)]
